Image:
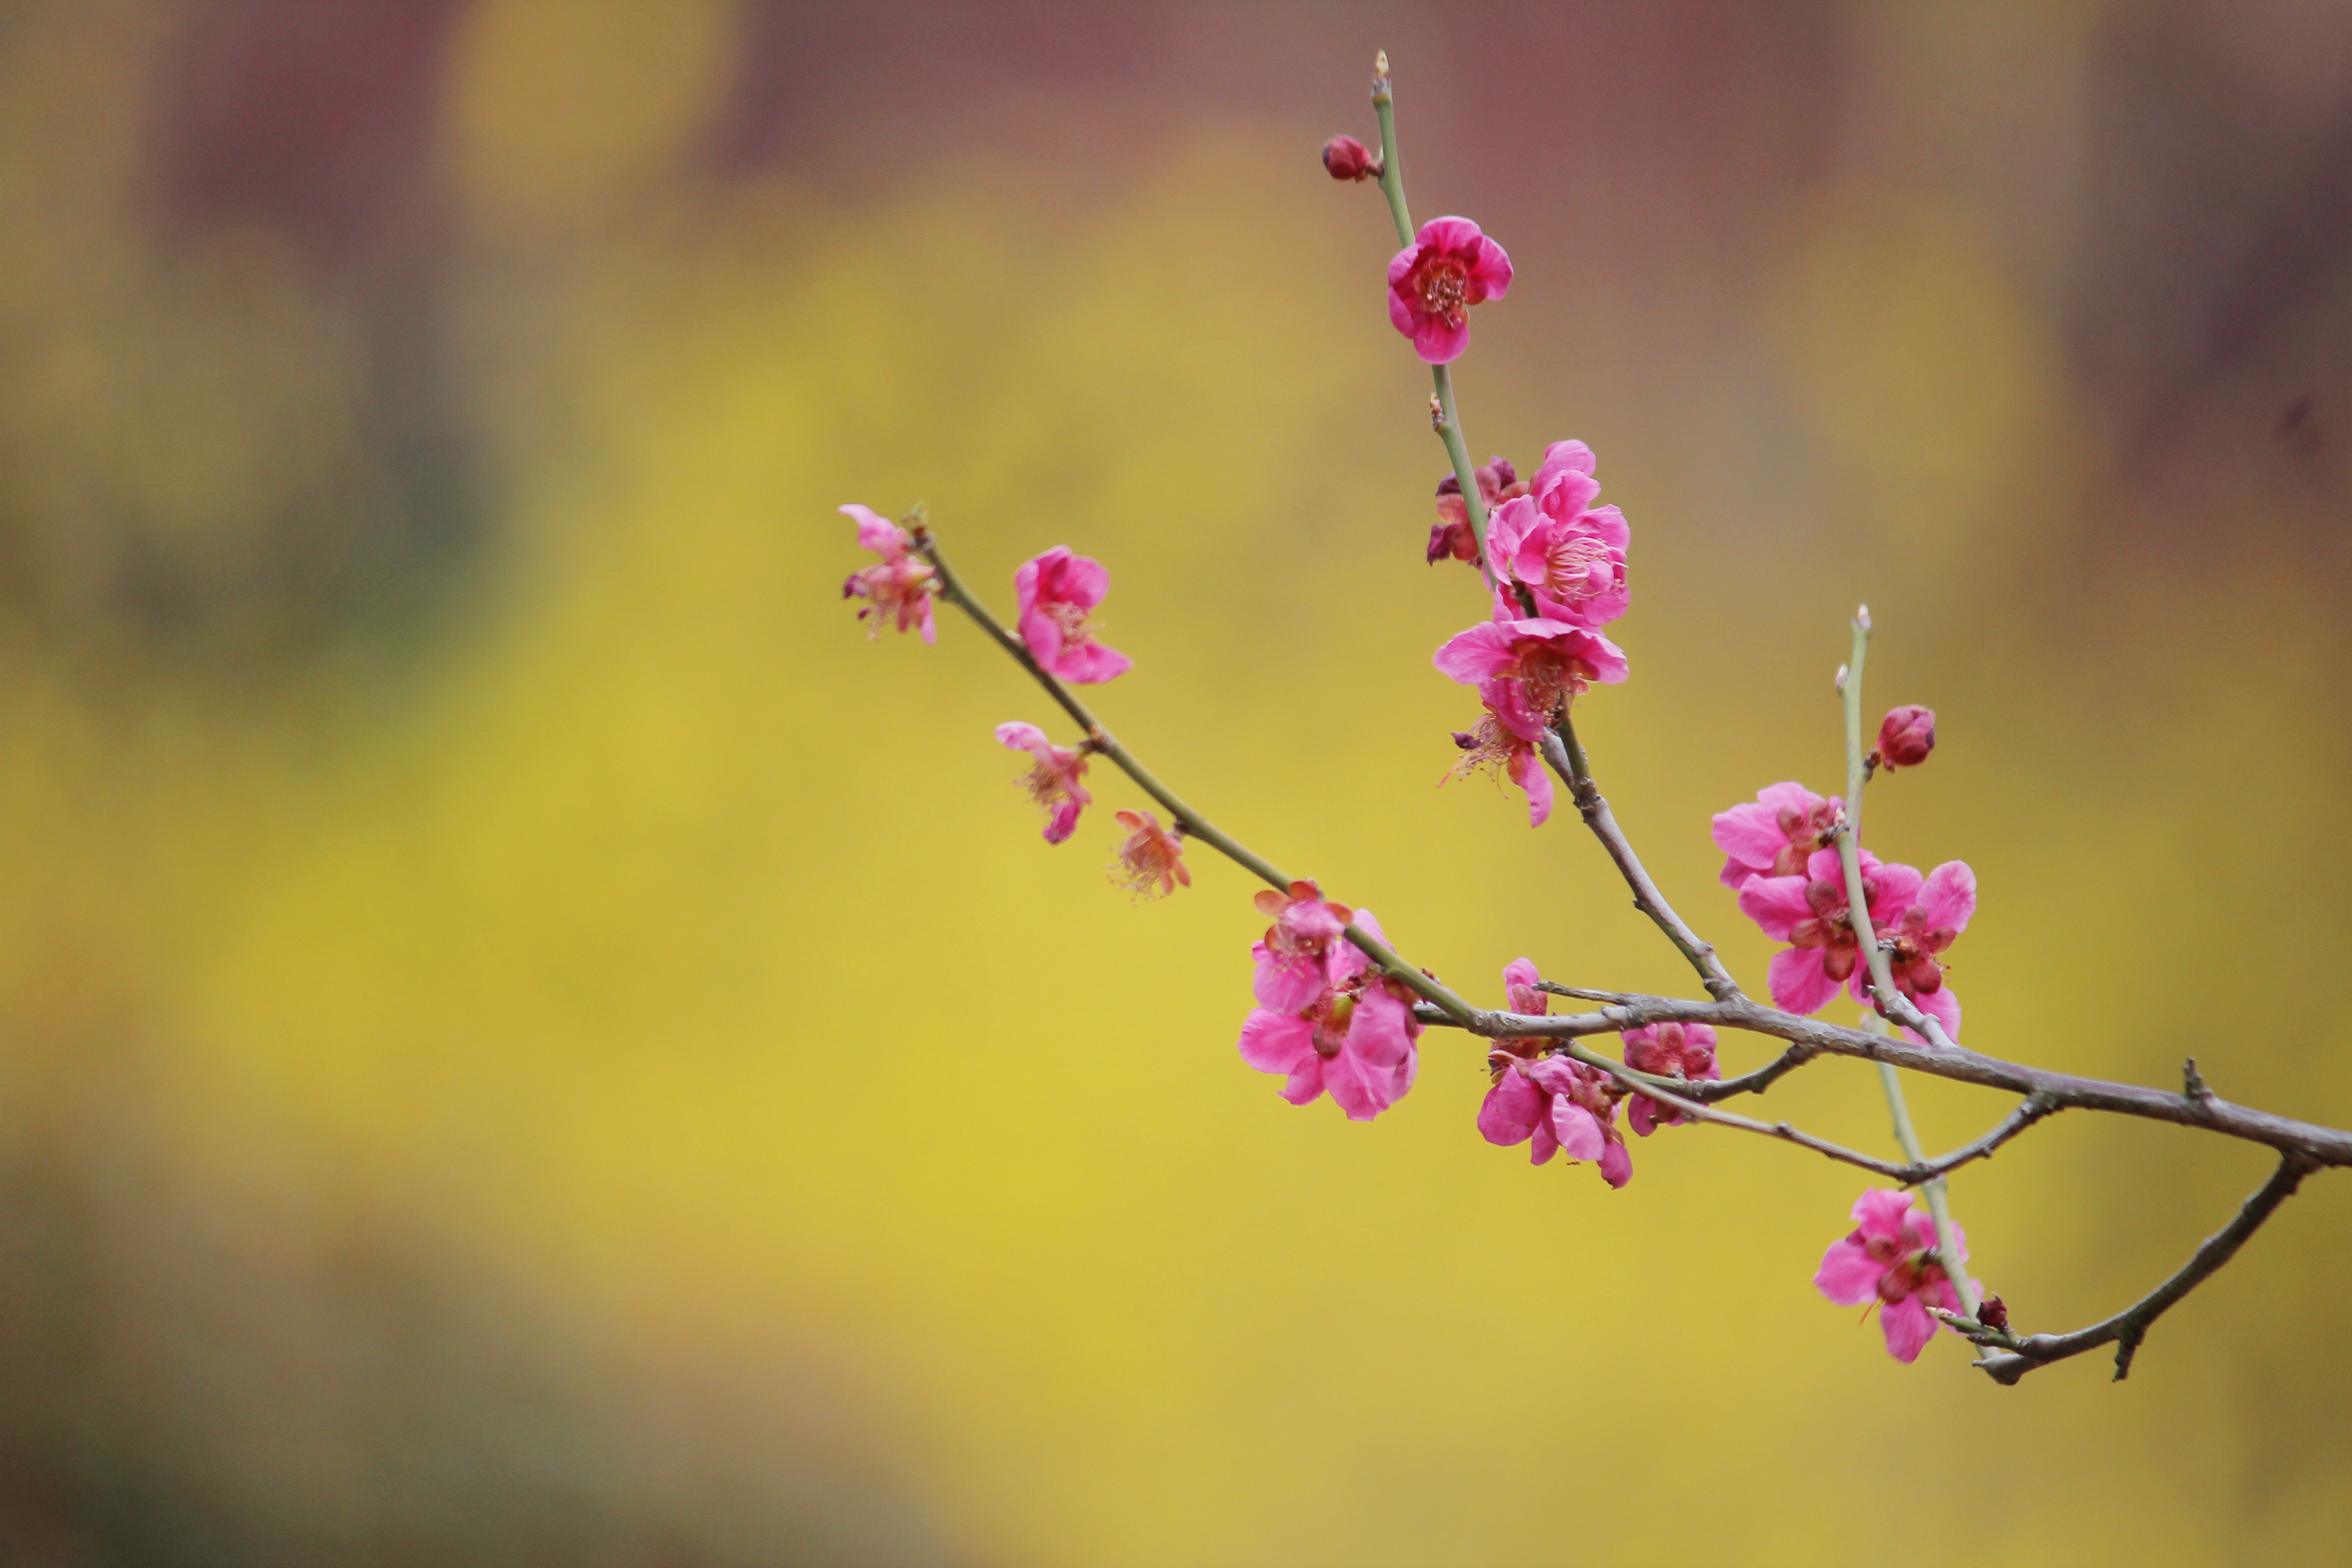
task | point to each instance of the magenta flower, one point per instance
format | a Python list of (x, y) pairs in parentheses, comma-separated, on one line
[(1551, 1103), (1776, 835), (1508, 740), (1353, 1037), (1150, 862), (1451, 535), (900, 588), (1057, 590), (1667, 1050), (1921, 931), (1433, 281), (1053, 783), (1568, 554), (1292, 956), (1550, 661), (1890, 1258), (1808, 911)]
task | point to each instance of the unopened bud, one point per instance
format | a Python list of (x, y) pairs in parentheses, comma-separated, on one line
[(1349, 159), (1994, 1313), (1906, 737), (1862, 617), (1841, 678), (1381, 63)]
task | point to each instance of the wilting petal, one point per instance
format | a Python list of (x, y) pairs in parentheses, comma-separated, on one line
[(1528, 773), (1062, 823), (1024, 737), (1616, 1163), (874, 532)]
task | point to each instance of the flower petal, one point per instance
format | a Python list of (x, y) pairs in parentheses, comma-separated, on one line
[(1848, 1276), (1528, 773), (1908, 1328), (1950, 896), (1276, 1042), (1438, 340), (1579, 1134), (1380, 1030), (1616, 1163), (1881, 1212), (1479, 654), (1511, 1111), (1024, 737), (1776, 903), (1087, 664), (1286, 984), (1799, 980), (1750, 832)]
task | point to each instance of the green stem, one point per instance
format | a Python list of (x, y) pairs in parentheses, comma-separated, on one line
[(1882, 975), (1448, 418), (952, 589)]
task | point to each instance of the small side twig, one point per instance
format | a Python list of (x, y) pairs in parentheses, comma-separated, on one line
[(1566, 758), (2127, 1329)]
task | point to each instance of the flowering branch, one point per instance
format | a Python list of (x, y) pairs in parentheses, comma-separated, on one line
[(952, 588), (2127, 1327), (1341, 1011)]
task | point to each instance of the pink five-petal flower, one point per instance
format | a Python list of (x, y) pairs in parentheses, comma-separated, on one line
[(1667, 1050), (1808, 911), (1565, 551), (1150, 862), (1057, 591), (1776, 835), (1354, 1037), (1433, 281), (1920, 930), (1451, 535), (1508, 739), (1890, 1258), (1292, 957), (1550, 1102), (1552, 662), (1052, 781), (900, 588)]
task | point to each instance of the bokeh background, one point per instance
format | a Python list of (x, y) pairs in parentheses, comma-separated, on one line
[(526, 1040)]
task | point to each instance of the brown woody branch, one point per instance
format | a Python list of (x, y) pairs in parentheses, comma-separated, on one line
[(2127, 1329)]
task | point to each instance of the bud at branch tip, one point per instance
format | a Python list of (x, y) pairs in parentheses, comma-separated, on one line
[(1381, 63), (1841, 678), (1862, 617)]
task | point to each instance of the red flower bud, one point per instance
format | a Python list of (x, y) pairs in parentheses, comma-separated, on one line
[(1906, 737), (1349, 159), (1994, 1313)]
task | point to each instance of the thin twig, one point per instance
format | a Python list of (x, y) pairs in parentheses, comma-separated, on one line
[(1561, 750), (2127, 1327), (2064, 1091), (953, 589)]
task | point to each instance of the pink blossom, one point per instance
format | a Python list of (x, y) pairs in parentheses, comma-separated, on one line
[(1354, 1037), (1150, 863), (1433, 281), (900, 588), (1291, 958), (1920, 917), (1552, 662), (1667, 1050), (1567, 552), (1808, 911), (1891, 1259), (1053, 783), (1508, 740), (1777, 835), (1057, 591), (1921, 931), (1551, 1103), (1451, 534)]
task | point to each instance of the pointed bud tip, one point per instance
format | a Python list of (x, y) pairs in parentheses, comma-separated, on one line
[(1841, 678), (1862, 617), (1381, 63)]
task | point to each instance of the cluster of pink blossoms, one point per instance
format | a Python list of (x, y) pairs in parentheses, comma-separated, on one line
[(1058, 594), (1783, 864), (1558, 563), (1326, 1019)]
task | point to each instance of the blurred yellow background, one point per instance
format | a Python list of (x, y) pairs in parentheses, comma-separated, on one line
[(529, 1039)]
